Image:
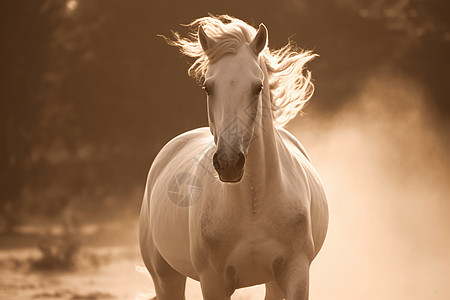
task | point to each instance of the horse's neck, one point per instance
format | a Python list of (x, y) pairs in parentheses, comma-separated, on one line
[(263, 156)]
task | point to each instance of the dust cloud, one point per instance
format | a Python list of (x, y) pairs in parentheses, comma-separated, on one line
[(385, 168)]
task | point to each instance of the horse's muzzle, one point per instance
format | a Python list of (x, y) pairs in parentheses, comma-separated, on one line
[(229, 169)]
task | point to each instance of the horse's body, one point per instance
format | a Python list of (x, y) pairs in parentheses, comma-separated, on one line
[(262, 225)]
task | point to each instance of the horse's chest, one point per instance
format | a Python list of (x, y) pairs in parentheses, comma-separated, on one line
[(253, 223), (247, 242)]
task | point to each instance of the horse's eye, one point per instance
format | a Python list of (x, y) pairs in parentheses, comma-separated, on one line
[(259, 88), (205, 88)]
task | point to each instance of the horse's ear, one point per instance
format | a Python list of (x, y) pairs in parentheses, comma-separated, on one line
[(205, 40), (260, 40)]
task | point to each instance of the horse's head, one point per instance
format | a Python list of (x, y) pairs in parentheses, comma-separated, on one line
[(234, 85)]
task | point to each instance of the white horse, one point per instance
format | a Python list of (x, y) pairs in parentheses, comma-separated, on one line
[(239, 203)]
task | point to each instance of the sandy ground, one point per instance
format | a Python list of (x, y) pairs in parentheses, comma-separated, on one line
[(117, 274), (124, 277)]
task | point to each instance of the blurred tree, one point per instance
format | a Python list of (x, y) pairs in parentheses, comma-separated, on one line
[(26, 34), (422, 31)]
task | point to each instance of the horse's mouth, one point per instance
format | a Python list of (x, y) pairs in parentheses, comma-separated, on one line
[(231, 177)]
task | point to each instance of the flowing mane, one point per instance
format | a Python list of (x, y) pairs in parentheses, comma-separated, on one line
[(290, 89)]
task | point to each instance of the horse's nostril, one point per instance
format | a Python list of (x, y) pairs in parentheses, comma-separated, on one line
[(241, 161), (216, 162), (226, 165)]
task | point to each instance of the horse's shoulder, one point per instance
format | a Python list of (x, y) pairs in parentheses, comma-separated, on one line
[(189, 136), (293, 141), (187, 139), (182, 147)]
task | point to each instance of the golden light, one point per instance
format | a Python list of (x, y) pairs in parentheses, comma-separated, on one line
[(71, 6)]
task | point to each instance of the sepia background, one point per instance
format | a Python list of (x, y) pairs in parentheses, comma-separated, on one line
[(90, 93)]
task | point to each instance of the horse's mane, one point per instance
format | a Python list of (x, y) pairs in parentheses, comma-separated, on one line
[(290, 89)]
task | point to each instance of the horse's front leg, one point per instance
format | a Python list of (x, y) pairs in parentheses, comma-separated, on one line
[(293, 277), (273, 291), (217, 285)]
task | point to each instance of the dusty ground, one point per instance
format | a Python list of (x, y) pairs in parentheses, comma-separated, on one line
[(113, 270)]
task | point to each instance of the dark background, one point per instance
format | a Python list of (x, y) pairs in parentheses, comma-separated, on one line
[(89, 93)]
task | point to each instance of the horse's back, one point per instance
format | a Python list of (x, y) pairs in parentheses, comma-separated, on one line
[(181, 151), (292, 141)]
